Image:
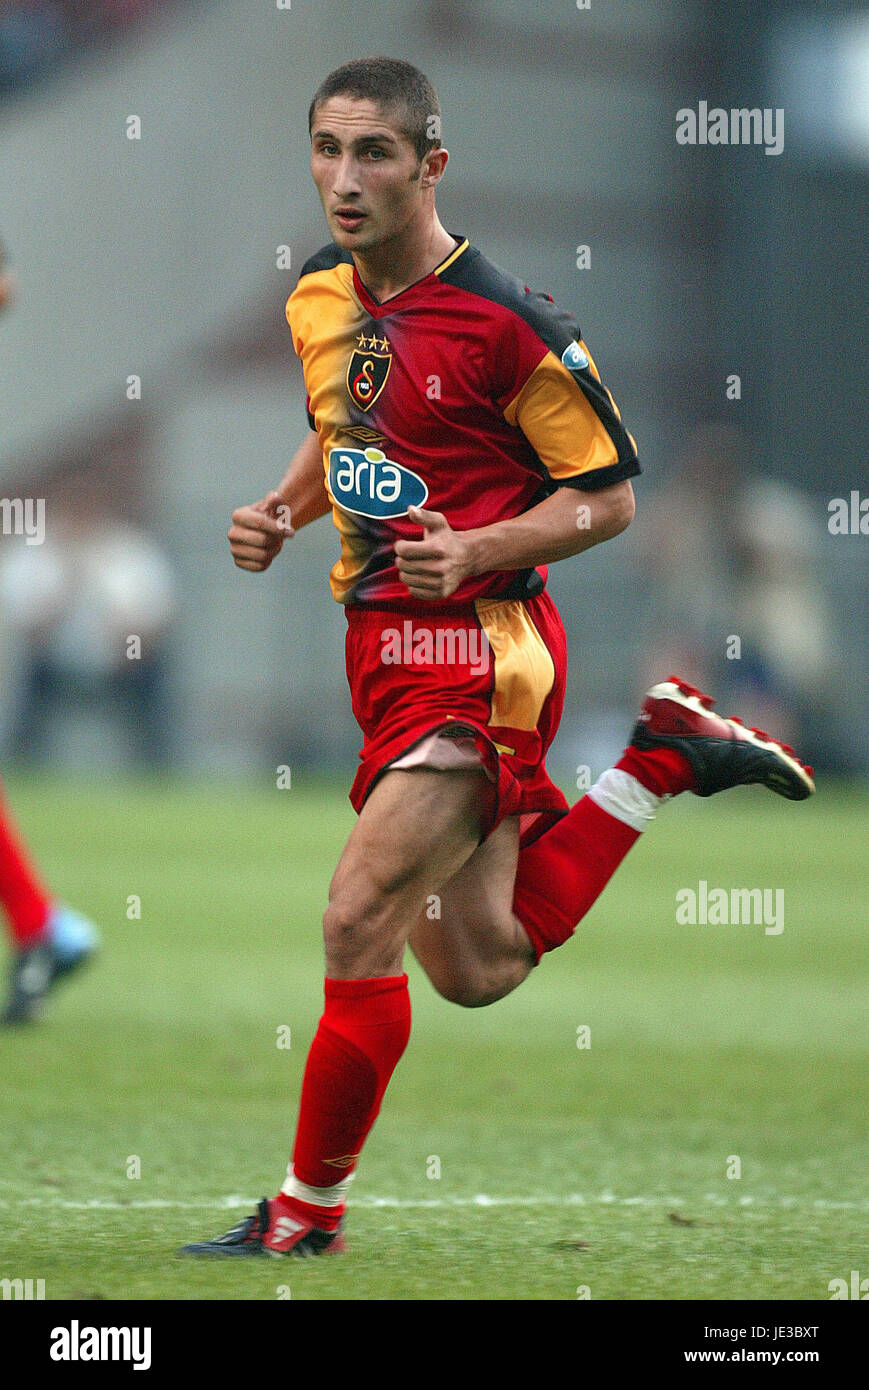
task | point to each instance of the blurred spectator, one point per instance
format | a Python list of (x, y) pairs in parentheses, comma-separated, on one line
[(92, 607), (93, 21), (37, 34), (736, 590), (33, 36)]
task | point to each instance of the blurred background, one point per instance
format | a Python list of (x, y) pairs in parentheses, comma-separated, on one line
[(148, 383)]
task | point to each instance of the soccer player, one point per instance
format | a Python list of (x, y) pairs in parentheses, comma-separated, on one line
[(49, 939), (467, 442)]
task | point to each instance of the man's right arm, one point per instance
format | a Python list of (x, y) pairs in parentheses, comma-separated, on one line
[(259, 530)]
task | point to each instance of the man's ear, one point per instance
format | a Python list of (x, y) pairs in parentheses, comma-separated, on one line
[(435, 162)]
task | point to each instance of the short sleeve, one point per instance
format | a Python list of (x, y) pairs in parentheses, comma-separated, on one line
[(572, 422), (293, 316)]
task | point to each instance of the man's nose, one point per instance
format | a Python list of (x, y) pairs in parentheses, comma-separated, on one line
[(347, 178)]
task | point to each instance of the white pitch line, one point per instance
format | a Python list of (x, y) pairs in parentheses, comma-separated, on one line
[(482, 1200)]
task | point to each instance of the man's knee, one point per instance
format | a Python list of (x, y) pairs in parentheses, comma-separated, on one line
[(346, 930), (486, 985), (363, 921), (468, 994)]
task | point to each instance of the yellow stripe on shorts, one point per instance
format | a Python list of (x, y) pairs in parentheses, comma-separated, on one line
[(524, 670)]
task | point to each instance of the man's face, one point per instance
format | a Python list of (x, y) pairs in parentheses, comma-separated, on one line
[(363, 164)]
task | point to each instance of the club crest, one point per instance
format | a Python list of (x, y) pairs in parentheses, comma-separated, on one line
[(368, 369)]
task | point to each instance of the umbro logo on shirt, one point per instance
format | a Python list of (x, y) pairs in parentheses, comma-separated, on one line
[(574, 358)]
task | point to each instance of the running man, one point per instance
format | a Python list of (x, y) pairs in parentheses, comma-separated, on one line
[(467, 442)]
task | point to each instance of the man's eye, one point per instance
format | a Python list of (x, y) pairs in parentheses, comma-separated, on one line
[(381, 154)]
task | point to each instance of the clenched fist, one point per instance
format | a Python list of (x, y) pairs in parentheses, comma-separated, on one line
[(258, 531), (435, 566)]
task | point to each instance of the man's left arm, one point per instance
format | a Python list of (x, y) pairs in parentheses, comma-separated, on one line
[(573, 425), (564, 524)]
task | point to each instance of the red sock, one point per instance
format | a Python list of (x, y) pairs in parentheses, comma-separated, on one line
[(661, 770), (357, 1046), (24, 899), (565, 871), (562, 873)]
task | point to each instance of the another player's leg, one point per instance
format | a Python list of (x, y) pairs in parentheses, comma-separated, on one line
[(49, 939), (415, 831)]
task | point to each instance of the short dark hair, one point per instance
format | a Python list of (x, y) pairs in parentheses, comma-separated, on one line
[(392, 84)]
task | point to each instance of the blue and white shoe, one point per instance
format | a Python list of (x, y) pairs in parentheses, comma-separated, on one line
[(70, 941), (74, 939)]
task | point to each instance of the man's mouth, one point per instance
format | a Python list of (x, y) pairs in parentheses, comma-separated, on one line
[(349, 218)]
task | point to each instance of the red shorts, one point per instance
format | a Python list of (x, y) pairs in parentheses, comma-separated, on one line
[(489, 675)]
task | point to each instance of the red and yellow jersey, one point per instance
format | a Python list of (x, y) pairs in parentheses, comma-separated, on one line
[(466, 393)]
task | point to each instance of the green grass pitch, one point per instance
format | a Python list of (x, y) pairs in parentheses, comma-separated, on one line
[(508, 1162)]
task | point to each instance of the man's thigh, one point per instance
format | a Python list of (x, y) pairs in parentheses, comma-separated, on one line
[(479, 897), (414, 833), (473, 947)]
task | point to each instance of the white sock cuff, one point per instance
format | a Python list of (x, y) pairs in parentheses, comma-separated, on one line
[(622, 796), (318, 1196)]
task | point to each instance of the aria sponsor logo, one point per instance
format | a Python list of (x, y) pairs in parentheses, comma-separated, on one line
[(76, 1343), (718, 907), (365, 481), (739, 126)]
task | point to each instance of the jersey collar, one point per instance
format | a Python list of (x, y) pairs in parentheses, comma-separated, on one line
[(376, 306)]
